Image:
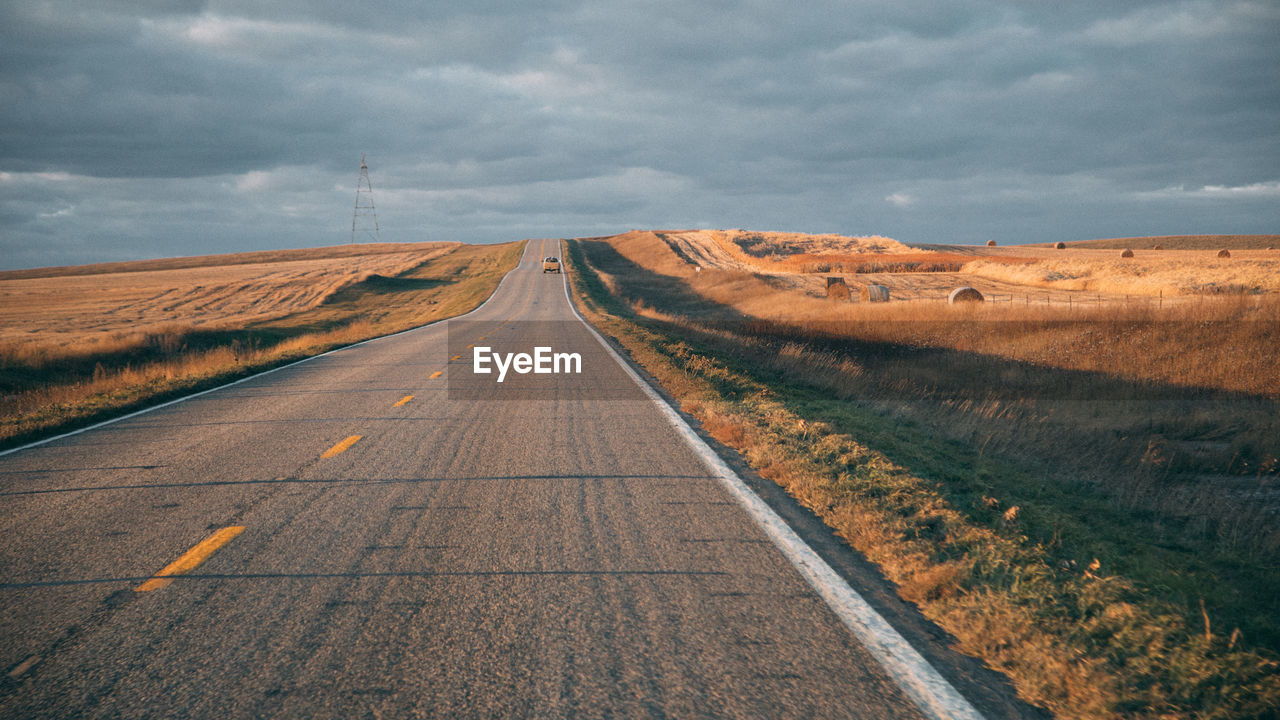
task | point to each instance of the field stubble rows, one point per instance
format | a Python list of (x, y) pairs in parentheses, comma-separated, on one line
[(87, 313), (183, 325)]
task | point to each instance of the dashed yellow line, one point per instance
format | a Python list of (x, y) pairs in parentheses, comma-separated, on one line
[(191, 559), (403, 401), (455, 357), (436, 374), (342, 446)]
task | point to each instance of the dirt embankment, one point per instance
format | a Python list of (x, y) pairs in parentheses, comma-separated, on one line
[(711, 262), (1082, 274)]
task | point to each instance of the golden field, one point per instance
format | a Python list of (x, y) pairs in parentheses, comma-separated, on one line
[(94, 307), (1083, 273), (84, 343), (1149, 273), (1080, 483)]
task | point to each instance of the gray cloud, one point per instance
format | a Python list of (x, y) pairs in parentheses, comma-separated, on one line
[(134, 129)]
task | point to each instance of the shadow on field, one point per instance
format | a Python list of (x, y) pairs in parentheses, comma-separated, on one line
[(638, 284), (176, 341), (1175, 486), (384, 285)]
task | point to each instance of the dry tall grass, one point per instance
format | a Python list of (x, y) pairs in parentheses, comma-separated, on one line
[(1180, 272), (1176, 351), (86, 360), (177, 363), (1064, 491), (1227, 343), (1220, 342), (1213, 344)]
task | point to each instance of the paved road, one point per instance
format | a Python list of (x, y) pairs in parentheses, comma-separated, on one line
[(544, 548)]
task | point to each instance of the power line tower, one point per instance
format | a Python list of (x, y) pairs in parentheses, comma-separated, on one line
[(364, 207)]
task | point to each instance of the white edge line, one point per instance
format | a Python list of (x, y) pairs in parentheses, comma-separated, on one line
[(931, 692), (255, 376)]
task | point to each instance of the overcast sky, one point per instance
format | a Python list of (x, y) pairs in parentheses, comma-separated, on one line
[(146, 128)]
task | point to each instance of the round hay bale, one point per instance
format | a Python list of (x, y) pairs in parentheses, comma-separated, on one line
[(1157, 247), (964, 295), (874, 293), (1127, 253), (1060, 246), (1224, 253), (838, 291), (991, 243)]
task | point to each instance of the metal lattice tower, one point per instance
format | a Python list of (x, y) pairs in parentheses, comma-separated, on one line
[(364, 207)]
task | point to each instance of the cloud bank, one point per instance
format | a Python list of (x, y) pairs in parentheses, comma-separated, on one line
[(139, 129)]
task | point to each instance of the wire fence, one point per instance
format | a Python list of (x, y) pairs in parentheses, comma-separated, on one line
[(1074, 299)]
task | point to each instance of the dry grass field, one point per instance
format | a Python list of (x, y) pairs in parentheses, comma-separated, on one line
[(96, 308), (1084, 492), (81, 344), (1183, 242), (1148, 273), (1091, 273), (772, 252)]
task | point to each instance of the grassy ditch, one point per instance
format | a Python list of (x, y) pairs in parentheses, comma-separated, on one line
[(47, 391), (1097, 601)]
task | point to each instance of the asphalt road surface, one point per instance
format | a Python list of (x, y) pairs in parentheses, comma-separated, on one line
[(544, 547)]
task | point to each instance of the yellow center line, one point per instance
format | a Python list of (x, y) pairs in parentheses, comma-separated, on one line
[(455, 357), (403, 401), (191, 559), (436, 374), (342, 446)]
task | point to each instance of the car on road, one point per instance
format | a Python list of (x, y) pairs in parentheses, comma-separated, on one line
[(550, 264)]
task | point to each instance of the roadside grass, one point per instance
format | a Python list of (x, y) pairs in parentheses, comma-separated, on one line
[(1104, 584), (47, 390)]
